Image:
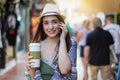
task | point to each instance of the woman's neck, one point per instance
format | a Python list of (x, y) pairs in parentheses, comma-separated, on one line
[(55, 39)]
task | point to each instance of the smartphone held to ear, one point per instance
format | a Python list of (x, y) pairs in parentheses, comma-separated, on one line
[(60, 24), (60, 27)]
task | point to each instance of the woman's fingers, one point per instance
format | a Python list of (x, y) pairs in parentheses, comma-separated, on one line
[(63, 27), (28, 53), (29, 57), (29, 60), (30, 63)]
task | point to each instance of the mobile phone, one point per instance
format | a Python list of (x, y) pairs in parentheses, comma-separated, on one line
[(60, 25)]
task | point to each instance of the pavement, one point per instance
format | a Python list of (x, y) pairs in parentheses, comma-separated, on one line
[(15, 69)]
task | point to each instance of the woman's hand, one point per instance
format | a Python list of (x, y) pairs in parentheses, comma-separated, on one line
[(63, 27), (31, 70), (64, 61), (29, 60)]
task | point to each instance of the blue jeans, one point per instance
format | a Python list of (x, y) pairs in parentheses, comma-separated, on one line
[(118, 77)]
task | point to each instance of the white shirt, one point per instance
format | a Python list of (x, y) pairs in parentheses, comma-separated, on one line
[(82, 41), (114, 29)]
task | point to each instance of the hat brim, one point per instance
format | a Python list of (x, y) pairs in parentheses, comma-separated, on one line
[(51, 14)]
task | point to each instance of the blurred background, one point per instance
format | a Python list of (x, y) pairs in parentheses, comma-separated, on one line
[(19, 22)]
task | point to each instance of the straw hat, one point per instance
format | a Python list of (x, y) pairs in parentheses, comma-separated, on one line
[(51, 9), (16, 1)]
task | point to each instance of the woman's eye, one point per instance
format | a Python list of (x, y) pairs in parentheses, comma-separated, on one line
[(55, 22), (45, 23)]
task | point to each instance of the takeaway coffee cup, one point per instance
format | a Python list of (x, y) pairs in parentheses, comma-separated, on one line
[(35, 52)]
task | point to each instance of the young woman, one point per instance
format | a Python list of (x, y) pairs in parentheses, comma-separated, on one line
[(81, 39), (56, 47)]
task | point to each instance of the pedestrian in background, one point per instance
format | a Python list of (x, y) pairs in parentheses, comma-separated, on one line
[(34, 21), (81, 39), (97, 51), (114, 30)]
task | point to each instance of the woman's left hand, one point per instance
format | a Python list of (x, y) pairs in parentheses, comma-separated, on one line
[(64, 30)]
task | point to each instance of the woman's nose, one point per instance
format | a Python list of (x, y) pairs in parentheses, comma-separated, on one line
[(51, 26)]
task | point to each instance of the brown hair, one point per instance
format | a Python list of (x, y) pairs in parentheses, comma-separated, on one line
[(110, 18), (86, 23), (40, 34)]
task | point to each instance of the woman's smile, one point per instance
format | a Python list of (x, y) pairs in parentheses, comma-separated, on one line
[(51, 26), (52, 31)]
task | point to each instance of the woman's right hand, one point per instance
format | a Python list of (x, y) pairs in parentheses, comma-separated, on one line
[(31, 70), (29, 60)]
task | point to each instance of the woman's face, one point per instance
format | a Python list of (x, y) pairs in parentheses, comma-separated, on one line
[(51, 26)]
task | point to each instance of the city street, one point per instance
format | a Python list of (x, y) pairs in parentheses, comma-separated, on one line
[(26, 21), (15, 70)]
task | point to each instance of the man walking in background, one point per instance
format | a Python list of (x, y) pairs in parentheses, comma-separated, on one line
[(114, 30), (97, 51)]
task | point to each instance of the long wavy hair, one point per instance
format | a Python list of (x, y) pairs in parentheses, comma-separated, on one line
[(40, 34)]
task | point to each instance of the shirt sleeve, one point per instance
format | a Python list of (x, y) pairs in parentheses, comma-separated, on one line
[(38, 75), (27, 74), (88, 40), (73, 52), (111, 41)]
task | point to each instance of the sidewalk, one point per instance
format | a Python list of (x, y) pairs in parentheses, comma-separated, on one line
[(15, 70)]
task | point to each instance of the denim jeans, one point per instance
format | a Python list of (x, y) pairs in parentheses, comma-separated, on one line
[(118, 75)]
